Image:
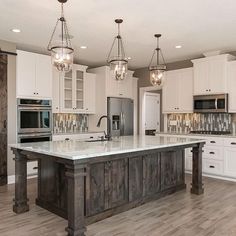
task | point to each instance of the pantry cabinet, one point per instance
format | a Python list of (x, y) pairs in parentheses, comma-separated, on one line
[(33, 75), (210, 74), (178, 91)]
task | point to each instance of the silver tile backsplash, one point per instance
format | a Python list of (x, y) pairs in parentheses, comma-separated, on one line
[(70, 123), (187, 122)]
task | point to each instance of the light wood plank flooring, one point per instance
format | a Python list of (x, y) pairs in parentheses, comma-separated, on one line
[(180, 214)]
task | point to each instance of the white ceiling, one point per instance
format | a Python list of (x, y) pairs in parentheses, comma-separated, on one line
[(197, 25)]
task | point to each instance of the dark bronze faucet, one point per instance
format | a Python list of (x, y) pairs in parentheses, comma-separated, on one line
[(108, 134)]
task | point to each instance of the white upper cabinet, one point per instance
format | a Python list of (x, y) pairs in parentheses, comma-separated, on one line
[(89, 93), (210, 74), (56, 92), (119, 88), (178, 91), (170, 92), (77, 89), (34, 75), (231, 85)]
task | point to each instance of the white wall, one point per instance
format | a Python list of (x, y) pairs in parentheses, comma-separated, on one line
[(11, 86)]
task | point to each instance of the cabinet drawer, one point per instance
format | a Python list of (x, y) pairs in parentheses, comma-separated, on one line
[(215, 153), (213, 167), (230, 142), (32, 168), (214, 142)]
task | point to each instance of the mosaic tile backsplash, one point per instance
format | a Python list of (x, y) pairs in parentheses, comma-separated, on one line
[(70, 123), (183, 123)]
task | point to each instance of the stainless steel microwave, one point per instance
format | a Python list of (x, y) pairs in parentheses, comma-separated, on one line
[(211, 103)]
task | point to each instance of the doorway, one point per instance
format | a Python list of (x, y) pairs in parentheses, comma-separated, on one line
[(151, 119), (152, 112), (3, 120)]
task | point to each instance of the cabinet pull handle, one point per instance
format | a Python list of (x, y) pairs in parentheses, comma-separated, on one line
[(211, 152), (233, 143), (212, 141), (67, 139), (212, 167)]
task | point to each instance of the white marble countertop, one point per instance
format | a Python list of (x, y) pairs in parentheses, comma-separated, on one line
[(75, 150), (197, 135)]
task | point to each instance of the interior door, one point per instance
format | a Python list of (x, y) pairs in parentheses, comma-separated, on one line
[(127, 117), (3, 120), (152, 111)]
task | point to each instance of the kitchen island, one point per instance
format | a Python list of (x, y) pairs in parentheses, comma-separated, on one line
[(85, 182)]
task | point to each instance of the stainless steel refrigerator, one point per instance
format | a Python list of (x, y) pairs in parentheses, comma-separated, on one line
[(121, 114)]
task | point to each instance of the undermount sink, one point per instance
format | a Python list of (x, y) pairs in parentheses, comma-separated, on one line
[(96, 140)]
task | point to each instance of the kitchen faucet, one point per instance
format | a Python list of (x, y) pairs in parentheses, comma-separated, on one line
[(108, 135)]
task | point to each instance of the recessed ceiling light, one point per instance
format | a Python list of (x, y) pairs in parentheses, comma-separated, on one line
[(178, 46), (16, 30), (83, 47), (129, 58)]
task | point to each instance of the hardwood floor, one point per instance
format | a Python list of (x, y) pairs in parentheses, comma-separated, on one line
[(180, 214)]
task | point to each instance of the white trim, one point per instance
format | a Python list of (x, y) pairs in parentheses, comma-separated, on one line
[(11, 178), (214, 176)]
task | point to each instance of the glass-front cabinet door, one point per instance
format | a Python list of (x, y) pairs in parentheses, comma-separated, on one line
[(72, 89), (68, 91), (79, 90)]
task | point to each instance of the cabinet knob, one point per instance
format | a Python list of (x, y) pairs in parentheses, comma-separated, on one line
[(212, 141), (233, 143), (211, 153), (209, 89), (212, 167)]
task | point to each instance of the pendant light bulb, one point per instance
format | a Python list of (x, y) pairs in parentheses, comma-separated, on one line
[(62, 53), (118, 63)]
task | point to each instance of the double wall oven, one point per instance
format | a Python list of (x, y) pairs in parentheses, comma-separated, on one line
[(34, 120)]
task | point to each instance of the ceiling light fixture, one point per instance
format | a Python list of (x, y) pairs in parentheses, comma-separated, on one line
[(178, 46), (83, 47), (16, 30), (118, 63), (157, 71), (62, 53)]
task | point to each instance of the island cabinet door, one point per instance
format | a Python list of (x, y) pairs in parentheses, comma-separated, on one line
[(151, 174), (106, 186), (135, 178), (172, 169), (116, 183)]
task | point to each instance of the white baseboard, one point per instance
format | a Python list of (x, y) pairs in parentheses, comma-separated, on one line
[(11, 178)]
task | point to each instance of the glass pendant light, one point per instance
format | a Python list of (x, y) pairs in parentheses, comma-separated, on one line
[(157, 71), (118, 63), (61, 51)]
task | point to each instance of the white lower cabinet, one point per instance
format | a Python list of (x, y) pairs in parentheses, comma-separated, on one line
[(212, 167), (218, 157), (32, 168), (230, 161)]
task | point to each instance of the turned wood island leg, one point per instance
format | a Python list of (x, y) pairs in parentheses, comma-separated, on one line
[(20, 200), (197, 185), (75, 175)]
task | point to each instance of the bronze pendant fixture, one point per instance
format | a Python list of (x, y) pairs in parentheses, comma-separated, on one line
[(118, 62), (157, 71), (61, 51)]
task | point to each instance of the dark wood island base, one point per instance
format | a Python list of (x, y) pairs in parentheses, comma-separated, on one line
[(88, 190)]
